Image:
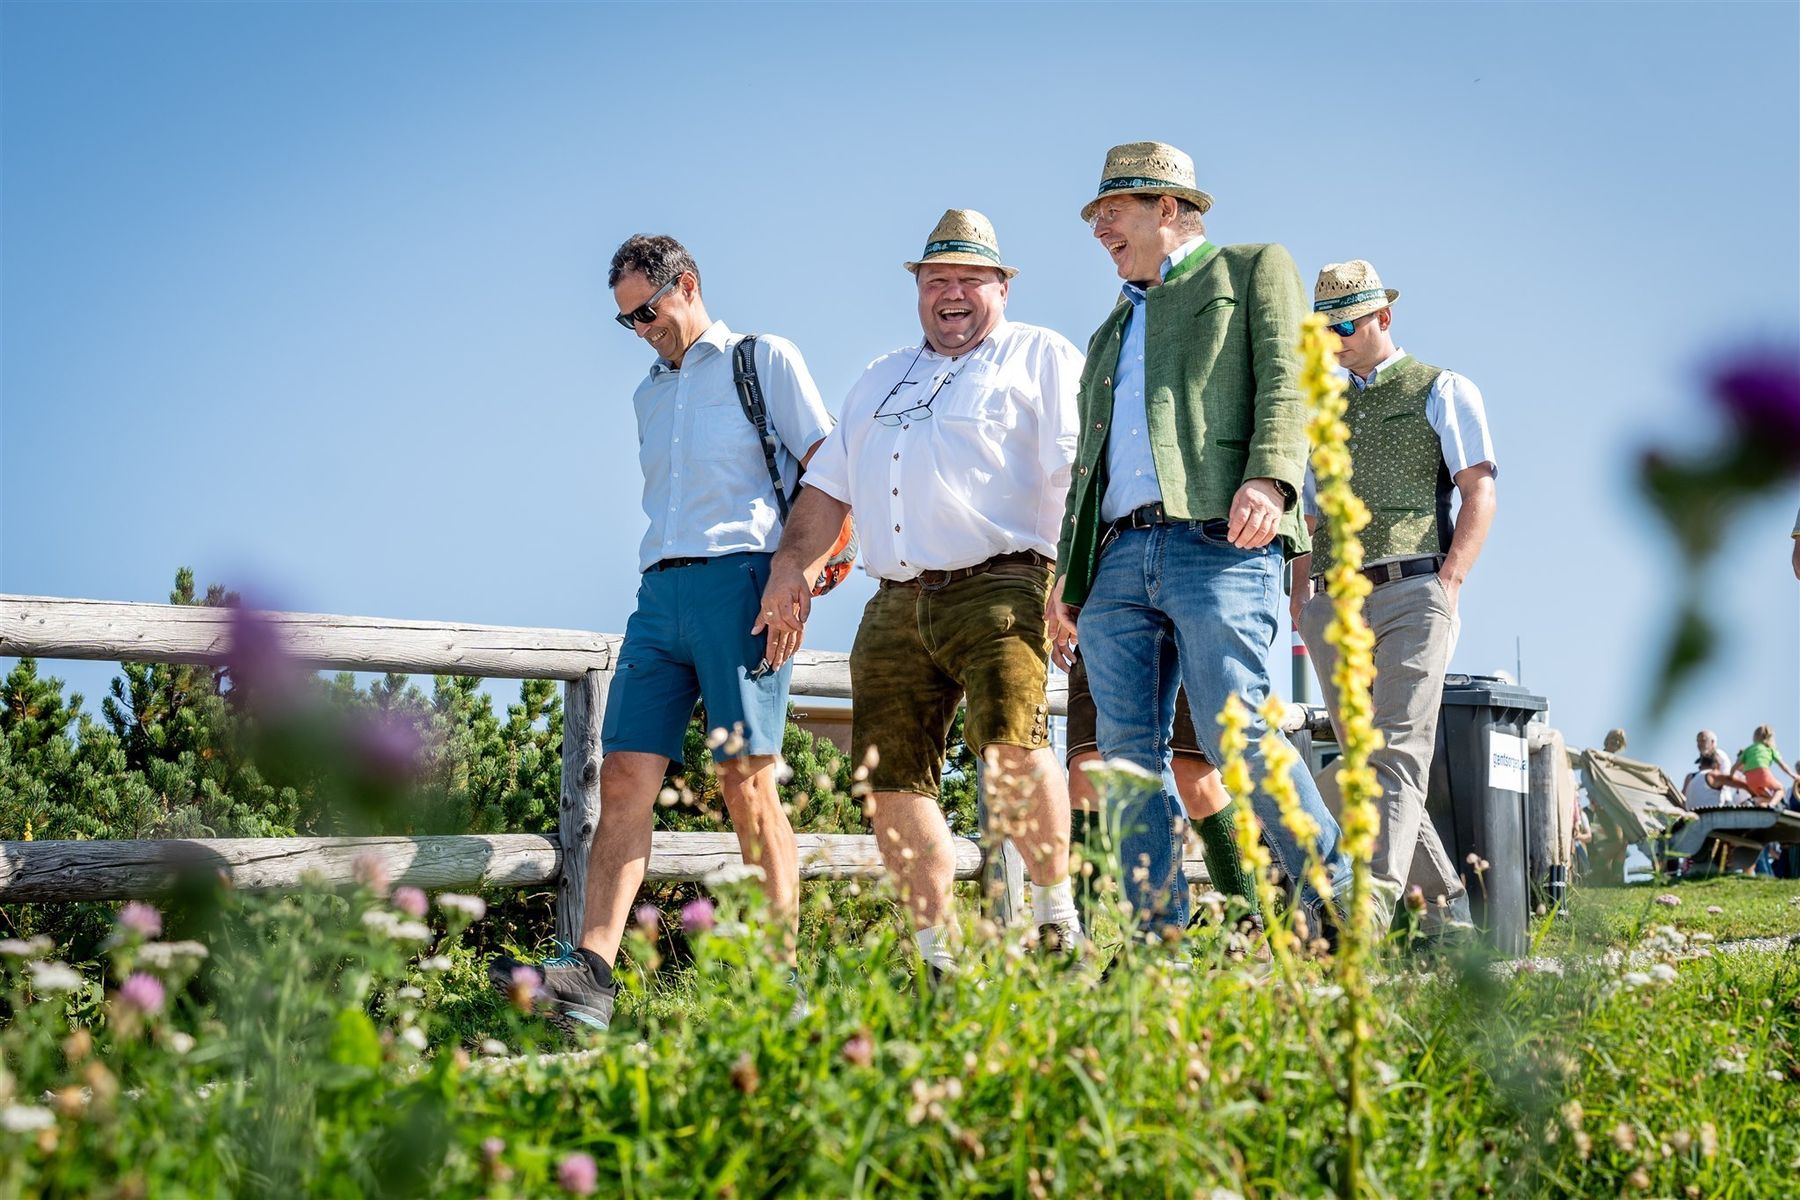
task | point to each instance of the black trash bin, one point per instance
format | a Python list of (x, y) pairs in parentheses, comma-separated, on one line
[(1480, 782)]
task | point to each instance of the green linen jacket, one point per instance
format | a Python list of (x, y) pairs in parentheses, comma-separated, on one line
[(1221, 390)]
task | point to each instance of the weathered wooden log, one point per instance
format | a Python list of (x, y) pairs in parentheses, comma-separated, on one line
[(52, 627), (35, 872), (584, 710)]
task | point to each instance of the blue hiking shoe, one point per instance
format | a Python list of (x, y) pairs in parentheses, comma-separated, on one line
[(576, 988)]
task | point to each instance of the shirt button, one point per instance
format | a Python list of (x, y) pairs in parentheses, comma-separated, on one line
[(1084, 470), (896, 458), (1099, 425), (1134, 433), (1137, 472), (896, 491), (896, 529), (906, 427)]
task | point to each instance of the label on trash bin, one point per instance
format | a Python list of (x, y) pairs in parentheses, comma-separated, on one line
[(1508, 762)]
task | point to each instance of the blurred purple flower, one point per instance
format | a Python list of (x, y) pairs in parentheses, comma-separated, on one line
[(371, 871), (142, 993), (258, 663), (1761, 391), (141, 919), (493, 1147), (577, 1174), (648, 918), (411, 901), (389, 746), (697, 916)]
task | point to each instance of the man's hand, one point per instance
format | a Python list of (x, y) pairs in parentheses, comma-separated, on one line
[(1302, 588), (786, 603), (1255, 513), (1060, 618)]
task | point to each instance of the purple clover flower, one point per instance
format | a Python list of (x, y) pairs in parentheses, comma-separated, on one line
[(411, 901), (141, 993), (648, 917), (697, 916), (1761, 391), (141, 919), (577, 1174)]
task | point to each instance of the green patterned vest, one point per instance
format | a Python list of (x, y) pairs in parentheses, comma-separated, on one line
[(1397, 468)]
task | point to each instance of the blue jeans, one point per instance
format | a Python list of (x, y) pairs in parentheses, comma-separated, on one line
[(1179, 602)]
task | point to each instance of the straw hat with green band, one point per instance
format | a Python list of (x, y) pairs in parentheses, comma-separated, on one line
[(1147, 169), (963, 236), (1349, 290)]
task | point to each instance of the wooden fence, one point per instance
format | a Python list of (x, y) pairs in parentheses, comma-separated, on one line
[(52, 628)]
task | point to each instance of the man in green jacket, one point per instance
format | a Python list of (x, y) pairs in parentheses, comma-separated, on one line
[(1182, 505)]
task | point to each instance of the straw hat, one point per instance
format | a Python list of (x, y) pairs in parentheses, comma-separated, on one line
[(963, 236), (1349, 290), (1147, 169)]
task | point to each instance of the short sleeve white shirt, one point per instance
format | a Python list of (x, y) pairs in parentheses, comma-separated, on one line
[(985, 473)]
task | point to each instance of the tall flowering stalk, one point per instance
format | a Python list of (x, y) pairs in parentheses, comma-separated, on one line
[(1234, 773), (1345, 516)]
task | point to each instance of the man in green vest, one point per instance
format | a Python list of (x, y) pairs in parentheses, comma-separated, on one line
[(1184, 500), (1417, 434)]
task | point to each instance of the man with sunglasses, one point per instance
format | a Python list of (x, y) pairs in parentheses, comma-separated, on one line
[(705, 559), (1417, 434), (1184, 500), (953, 454)]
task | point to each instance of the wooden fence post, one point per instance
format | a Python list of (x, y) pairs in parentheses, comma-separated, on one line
[(584, 708)]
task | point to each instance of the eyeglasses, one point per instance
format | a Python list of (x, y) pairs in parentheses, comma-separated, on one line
[(1343, 328), (645, 313), (918, 412), (1109, 214)]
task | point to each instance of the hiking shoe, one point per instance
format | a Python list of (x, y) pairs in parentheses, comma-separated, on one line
[(572, 993), (1060, 939)]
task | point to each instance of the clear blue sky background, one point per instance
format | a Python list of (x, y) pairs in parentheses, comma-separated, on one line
[(311, 297)]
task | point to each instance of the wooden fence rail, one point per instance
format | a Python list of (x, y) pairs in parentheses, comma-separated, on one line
[(52, 627)]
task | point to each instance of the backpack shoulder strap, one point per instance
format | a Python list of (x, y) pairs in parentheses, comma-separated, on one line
[(750, 397)]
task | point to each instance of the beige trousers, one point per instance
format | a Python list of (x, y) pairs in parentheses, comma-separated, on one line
[(1415, 631)]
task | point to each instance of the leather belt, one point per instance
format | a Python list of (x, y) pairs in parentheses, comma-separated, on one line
[(1149, 516), (669, 564), (937, 579), (1393, 572)]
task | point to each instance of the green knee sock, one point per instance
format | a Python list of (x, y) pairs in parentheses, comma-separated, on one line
[(1084, 831), (1218, 842)]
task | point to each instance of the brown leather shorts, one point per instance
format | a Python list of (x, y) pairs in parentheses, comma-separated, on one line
[(1083, 740)]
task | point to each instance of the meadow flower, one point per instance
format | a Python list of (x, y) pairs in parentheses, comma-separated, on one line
[(436, 963), (697, 916), (1624, 1137), (410, 931), (525, 984), (413, 1036), (744, 1076), (577, 1174), (1713, 910), (1727, 1065), (859, 1050), (472, 907), (141, 993), (54, 977), (371, 871), (1669, 900), (411, 901), (1634, 979), (181, 1042), (29, 948), (494, 1048), (164, 955), (410, 993), (25, 1118), (141, 919), (1663, 973), (648, 918)]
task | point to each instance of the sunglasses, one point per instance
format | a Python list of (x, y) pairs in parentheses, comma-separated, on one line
[(917, 412), (1343, 328), (645, 313)]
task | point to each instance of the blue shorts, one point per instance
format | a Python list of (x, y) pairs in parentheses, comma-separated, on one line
[(690, 640)]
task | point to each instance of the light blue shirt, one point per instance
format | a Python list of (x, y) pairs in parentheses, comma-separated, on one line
[(707, 490), (1130, 466)]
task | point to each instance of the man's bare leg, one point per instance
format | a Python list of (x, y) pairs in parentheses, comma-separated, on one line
[(917, 851), (1029, 796), (629, 783), (765, 835)]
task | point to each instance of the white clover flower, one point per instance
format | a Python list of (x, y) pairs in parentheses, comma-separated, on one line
[(167, 954), (180, 1042), (1635, 979), (410, 931), (410, 993), (436, 963), (493, 1047), (380, 919), (54, 977), (1663, 973), (31, 947), (413, 1036), (473, 907), (1728, 1066), (25, 1118)]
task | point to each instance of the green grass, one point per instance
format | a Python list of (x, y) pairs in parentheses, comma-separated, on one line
[(1615, 916)]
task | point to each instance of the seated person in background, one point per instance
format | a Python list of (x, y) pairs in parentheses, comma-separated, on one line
[(1756, 763), (1713, 785)]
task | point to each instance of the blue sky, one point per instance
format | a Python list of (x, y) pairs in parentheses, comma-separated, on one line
[(312, 297)]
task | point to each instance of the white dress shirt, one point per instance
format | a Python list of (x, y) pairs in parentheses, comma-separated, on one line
[(1456, 414), (985, 473)]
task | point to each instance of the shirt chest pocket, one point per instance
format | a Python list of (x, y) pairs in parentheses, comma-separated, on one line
[(721, 433), (979, 395)]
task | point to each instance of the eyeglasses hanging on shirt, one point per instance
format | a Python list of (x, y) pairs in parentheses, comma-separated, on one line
[(916, 412)]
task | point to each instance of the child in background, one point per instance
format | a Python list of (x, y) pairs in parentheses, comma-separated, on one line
[(1756, 763)]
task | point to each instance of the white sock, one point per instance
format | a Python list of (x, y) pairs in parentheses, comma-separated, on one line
[(934, 947), (1055, 905)]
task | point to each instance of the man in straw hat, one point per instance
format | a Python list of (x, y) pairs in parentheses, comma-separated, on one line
[(713, 518), (953, 454), (1184, 500), (1416, 434)]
